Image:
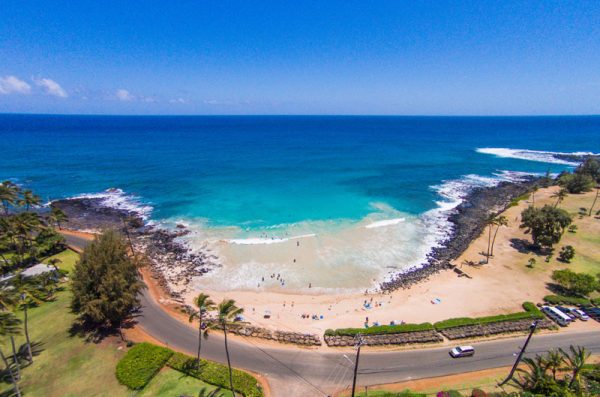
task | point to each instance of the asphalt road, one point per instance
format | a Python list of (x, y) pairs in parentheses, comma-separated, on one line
[(293, 372)]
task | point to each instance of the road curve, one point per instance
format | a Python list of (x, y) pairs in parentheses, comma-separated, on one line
[(301, 372)]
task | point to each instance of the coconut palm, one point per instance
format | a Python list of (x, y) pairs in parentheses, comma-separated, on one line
[(595, 199), (8, 301), (575, 360), (9, 194), (29, 292), (490, 222), (534, 376), (533, 192), (56, 216), (498, 221), (554, 361), (228, 313), (204, 304), (559, 196), (24, 225), (9, 326), (29, 199)]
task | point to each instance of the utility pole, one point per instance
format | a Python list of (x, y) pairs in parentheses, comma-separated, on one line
[(358, 343), (520, 356)]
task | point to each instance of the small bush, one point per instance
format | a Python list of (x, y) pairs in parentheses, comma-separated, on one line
[(478, 393), (140, 364), (531, 312), (595, 301), (216, 374), (572, 229), (566, 253), (514, 202), (565, 300), (380, 330)]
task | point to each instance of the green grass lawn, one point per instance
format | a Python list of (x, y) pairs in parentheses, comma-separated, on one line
[(169, 382), (68, 259)]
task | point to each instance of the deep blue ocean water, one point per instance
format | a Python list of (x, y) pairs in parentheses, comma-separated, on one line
[(256, 172)]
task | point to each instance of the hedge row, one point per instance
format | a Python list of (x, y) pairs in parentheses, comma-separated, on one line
[(216, 374), (380, 330), (566, 300), (531, 312), (140, 364)]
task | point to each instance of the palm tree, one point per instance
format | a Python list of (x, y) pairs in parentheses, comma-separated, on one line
[(498, 221), (576, 360), (554, 361), (9, 326), (204, 304), (29, 200), (535, 374), (8, 300), (595, 198), (559, 196), (228, 313), (533, 191), (29, 293), (9, 193), (490, 222), (56, 216), (24, 224)]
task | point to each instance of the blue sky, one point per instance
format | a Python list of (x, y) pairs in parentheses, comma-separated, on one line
[(298, 57)]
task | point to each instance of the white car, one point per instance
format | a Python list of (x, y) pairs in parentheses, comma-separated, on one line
[(462, 351), (580, 314)]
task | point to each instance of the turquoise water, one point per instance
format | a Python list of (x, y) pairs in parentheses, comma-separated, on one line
[(256, 172), (371, 193)]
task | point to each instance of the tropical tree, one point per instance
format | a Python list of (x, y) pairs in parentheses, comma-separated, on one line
[(29, 292), (575, 283), (498, 221), (204, 304), (554, 360), (9, 194), (595, 199), (546, 224), (560, 195), (576, 360), (489, 222), (534, 190), (566, 253), (56, 217), (105, 283), (228, 313), (29, 199), (9, 326)]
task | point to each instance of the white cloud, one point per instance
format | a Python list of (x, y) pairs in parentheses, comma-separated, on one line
[(124, 95), (178, 100), (11, 84), (51, 87)]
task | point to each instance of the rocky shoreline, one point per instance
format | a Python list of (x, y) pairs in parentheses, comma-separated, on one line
[(468, 222), (172, 262)]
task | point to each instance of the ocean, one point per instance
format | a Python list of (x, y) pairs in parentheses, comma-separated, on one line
[(363, 196)]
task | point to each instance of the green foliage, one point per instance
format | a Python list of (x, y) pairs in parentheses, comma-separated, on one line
[(578, 284), (566, 253), (546, 224), (590, 167), (595, 301), (449, 393), (531, 263), (216, 374), (573, 229), (531, 312), (380, 330), (49, 242), (576, 183), (566, 300), (105, 283), (514, 202), (140, 364)]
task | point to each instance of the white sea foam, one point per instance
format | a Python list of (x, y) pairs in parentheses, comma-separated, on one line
[(266, 240), (118, 199), (534, 155), (385, 222)]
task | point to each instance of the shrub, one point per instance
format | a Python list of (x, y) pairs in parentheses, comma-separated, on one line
[(380, 330), (566, 253), (595, 301), (478, 393), (531, 312), (140, 364), (572, 229), (566, 300), (449, 393), (575, 284), (216, 374), (576, 183), (514, 202)]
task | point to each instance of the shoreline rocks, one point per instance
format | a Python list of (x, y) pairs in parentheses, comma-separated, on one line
[(468, 222), (404, 338)]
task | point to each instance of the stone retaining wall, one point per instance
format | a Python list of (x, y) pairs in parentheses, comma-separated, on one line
[(473, 331), (278, 336), (404, 338)]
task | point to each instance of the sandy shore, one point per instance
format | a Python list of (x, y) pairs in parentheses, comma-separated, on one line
[(499, 287)]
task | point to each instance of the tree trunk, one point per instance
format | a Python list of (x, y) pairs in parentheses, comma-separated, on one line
[(27, 334), (12, 376), (489, 241), (575, 373), (199, 339), (15, 357), (494, 240), (228, 360), (594, 203)]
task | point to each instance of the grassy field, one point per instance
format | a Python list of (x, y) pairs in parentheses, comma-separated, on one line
[(68, 259), (69, 366)]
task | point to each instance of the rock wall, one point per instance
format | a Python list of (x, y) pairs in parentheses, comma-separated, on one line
[(473, 331), (404, 338), (278, 336)]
